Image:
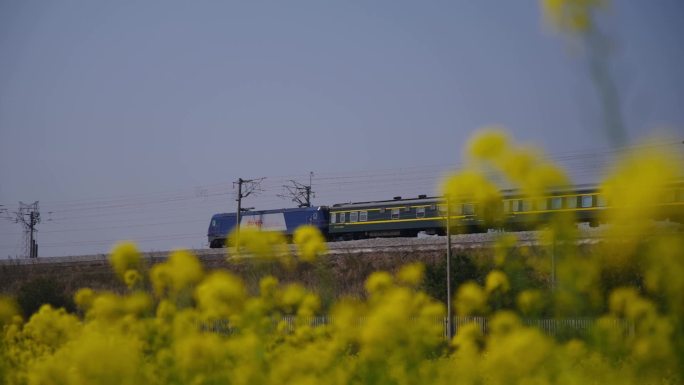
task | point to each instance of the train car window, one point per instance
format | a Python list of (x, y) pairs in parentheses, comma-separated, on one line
[(433, 207), (442, 209), (670, 196), (395, 213), (354, 216), (342, 217), (468, 209), (515, 205), (556, 203), (571, 202), (506, 206), (407, 209), (541, 204), (332, 217), (587, 201), (601, 201), (363, 216), (420, 212), (526, 205)]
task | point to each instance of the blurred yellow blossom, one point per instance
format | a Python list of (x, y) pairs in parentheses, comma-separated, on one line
[(132, 278), (530, 302), (181, 272), (496, 281), (8, 309), (220, 295), (504, 244), (378, 282), (489, 144), (411, 274), (84, 298), (571, 15), (310, 242), (124, 257), (470, 299), (266, 245)]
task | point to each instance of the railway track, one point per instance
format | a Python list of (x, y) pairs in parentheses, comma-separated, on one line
[(366, 246)]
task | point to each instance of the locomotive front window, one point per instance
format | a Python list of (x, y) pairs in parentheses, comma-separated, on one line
[(395, 213), (213, 223), (587, 201), (363, 216), (354, 216)]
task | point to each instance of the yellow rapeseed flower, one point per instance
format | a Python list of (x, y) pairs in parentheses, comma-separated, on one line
[(8, 309), (411, 274), (496, 281), (378, 282), (84, 298), (181, 272), (124, 257), (132, 278), (530, 302), (51, 327), (261, 244), (470, 299), (220, 295), (293, 295), (572, 16), (489, 144), (504, 244), (310, 242)]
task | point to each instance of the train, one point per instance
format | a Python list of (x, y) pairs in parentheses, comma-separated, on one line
[(408, 217)]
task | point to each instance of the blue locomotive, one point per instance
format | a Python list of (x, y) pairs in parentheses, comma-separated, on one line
[(283, 220)]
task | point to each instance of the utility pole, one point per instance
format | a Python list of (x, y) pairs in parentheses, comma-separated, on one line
[(250, 186), (299, 193), (29, 216), (448, 268)]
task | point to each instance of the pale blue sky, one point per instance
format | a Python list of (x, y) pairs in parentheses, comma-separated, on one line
[(129, 119)]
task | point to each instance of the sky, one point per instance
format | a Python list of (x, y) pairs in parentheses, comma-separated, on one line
[(131, 120)]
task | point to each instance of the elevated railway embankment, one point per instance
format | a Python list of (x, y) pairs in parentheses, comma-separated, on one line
[(345, 267)]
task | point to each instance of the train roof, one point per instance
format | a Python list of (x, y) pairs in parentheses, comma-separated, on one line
[(507, 193), (272, 211), (397, 201)]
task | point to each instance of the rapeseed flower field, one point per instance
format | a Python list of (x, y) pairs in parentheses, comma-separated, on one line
[(179, 324)]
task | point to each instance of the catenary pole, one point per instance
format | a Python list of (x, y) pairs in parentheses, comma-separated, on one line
[(237, 215), (448, 269)]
